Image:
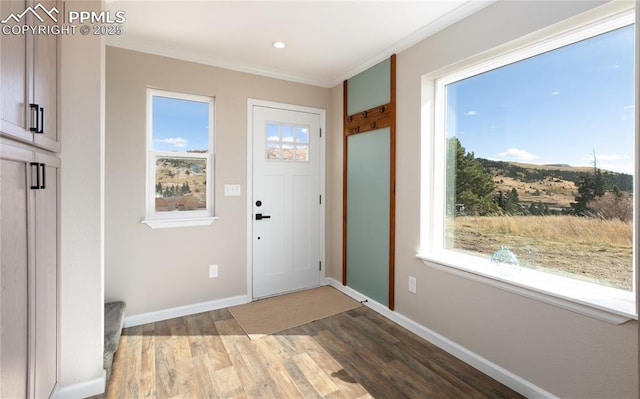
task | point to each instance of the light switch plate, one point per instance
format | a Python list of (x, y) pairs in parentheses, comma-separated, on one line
[(232, 190), (412, 285)]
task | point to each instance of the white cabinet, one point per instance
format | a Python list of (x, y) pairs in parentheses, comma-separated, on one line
[(29, 273), (29, 77), (29, 195), (14, 256), (45, 279)]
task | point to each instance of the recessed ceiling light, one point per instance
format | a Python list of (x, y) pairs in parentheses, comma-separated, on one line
[(279, 44)]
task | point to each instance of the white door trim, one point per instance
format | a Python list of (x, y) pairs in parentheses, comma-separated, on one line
[(249, 184)]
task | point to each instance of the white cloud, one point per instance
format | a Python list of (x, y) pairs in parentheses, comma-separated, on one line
[(628, 107), (620, 167), (607, 157), (472, 113), (174, 141), (611, 157), (515, 154), (277, 138), (612, 162), (555, 93)]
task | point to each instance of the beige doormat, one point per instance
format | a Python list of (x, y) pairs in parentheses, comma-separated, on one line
[(272, 315)]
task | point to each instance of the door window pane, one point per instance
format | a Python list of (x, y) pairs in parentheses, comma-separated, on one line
[(287, 142)]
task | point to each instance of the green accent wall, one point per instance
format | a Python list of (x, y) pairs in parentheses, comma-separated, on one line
[(368, 210), (369, 88)]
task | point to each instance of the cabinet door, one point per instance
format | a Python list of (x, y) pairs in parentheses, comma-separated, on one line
[(45, 84), (14, 256), (46, 278), (14, 76), (29, 75)]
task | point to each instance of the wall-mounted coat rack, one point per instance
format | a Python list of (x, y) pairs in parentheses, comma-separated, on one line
[(374, 118)]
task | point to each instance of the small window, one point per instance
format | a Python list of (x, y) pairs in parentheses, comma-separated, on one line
[(532, 176), (179, 154), (287, 142)]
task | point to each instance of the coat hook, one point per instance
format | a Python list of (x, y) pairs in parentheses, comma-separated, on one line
[(373, 125), (364, 114), (349, 118), (382, 109), (356, 129)]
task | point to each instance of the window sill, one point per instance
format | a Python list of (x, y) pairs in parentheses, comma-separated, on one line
[(611, 305), (183, 222)]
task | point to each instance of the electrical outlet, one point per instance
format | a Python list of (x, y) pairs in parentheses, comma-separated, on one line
[(213, 271), (412, 285)]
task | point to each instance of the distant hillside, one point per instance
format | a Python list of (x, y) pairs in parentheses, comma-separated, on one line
[(530, 172), (551, 167), (181, 184), (550, 185)]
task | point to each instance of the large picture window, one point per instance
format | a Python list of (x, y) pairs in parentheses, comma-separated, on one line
[(179, 158), (533, 167)]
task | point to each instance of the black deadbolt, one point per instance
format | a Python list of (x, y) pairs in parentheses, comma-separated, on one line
[(258, 203)]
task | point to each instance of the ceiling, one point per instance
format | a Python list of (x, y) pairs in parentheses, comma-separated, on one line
[(327, 41)]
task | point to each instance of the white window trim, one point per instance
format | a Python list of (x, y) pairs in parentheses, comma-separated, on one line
[(155, 219), (182, 222), (604, 303)]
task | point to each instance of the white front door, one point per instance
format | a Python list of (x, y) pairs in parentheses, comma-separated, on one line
[(286, 203)]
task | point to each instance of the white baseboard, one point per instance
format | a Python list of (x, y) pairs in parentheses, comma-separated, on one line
[(491, 369), (171, 313), (83, 389)]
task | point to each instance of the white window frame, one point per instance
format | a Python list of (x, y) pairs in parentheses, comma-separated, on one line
[(178, 218), (609, 304)]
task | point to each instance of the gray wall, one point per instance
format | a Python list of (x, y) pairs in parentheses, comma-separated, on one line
[(157, 269), (567, 354)]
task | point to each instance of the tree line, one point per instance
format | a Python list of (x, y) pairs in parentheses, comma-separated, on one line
[(174, 190), (600, 193)]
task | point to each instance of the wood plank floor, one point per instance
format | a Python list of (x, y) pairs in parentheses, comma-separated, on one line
[(356, 354)]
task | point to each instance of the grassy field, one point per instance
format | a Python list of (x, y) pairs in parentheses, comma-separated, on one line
[(589, 249)]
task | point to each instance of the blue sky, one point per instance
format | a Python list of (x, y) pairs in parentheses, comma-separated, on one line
[(180, 125), (556, 108)]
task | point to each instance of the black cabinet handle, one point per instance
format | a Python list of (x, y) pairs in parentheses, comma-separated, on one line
[(39, 176), (44, 174), (35, 177), (41, 130), (37, 118)]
